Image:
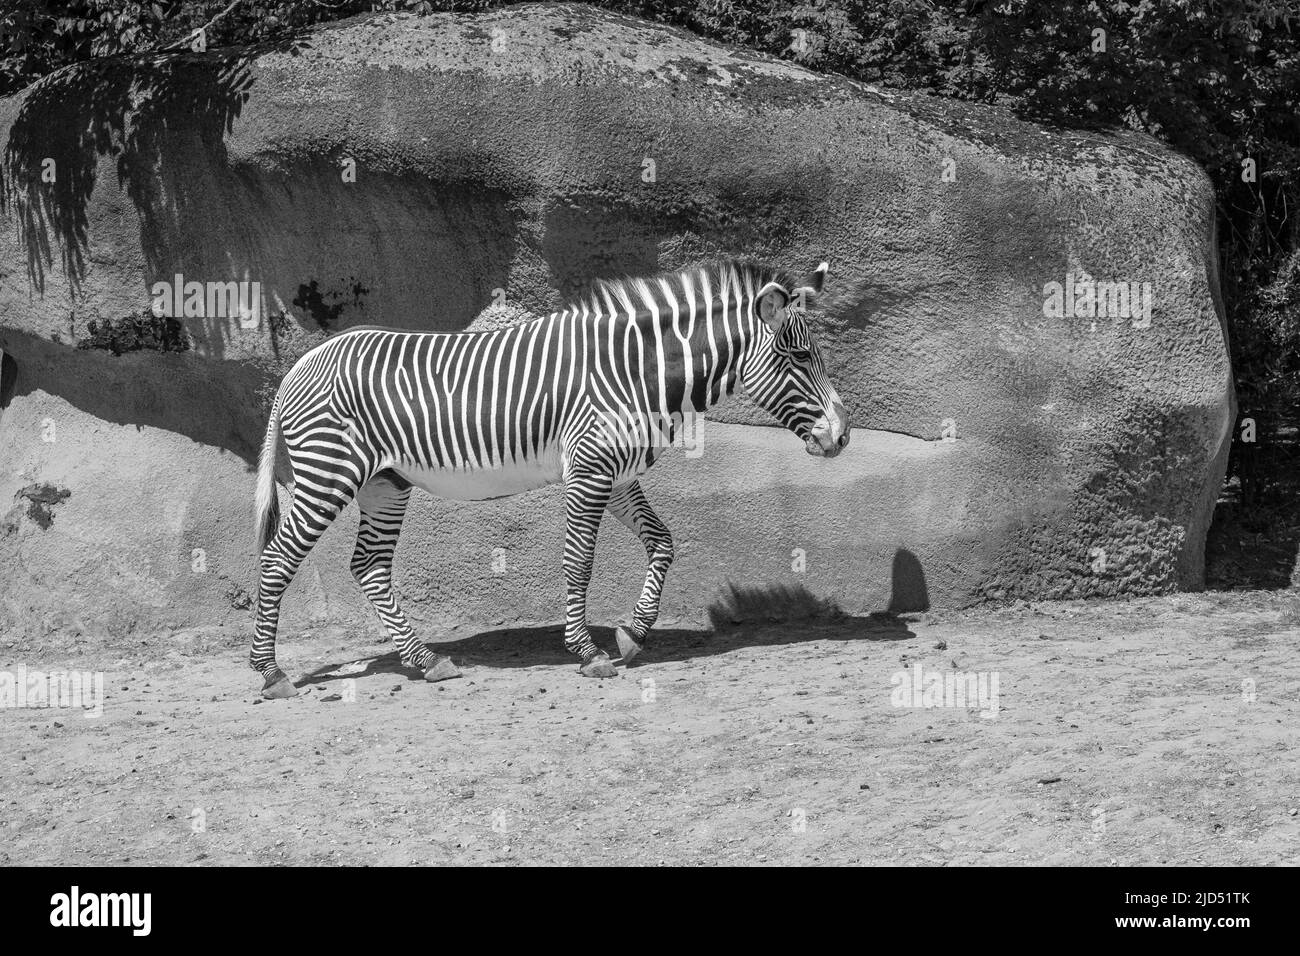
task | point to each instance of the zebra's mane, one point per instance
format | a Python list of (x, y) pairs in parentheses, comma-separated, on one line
[(636, 294)]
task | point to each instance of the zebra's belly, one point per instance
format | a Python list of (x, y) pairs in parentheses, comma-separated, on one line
[(479, 484)]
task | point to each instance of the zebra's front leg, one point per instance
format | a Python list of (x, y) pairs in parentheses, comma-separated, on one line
[(585, 497), (628, 505)]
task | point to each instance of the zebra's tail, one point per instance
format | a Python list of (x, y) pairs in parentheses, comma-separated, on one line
[(266, 506)]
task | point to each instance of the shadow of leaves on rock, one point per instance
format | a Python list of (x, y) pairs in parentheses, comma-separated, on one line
[(777, 603), (127, 109)]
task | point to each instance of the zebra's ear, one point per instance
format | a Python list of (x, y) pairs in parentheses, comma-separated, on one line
[(813, 284), (771, 301)]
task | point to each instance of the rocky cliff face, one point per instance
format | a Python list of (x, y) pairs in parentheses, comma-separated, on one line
[(1023, 322)]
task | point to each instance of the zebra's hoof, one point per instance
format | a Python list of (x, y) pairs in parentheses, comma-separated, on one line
[(627, 647), (598, 666), (441, 669), (278, 686)]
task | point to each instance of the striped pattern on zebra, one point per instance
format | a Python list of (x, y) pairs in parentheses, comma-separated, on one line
[(587, 396)]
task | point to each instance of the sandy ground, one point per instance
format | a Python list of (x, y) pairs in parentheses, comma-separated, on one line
[(1125, 733)]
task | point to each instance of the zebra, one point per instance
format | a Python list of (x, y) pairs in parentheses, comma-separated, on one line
[(372, 412)]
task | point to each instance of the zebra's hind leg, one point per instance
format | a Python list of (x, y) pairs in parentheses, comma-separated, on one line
[(585, 497), (383, 500), (302, 527), (628, 504)]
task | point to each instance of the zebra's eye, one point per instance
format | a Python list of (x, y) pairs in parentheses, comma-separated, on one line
[(801, 355)]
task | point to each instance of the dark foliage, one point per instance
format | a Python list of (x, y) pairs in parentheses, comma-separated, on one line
[(136, 334)]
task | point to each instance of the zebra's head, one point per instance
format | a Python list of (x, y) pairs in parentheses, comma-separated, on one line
[(785, 373)]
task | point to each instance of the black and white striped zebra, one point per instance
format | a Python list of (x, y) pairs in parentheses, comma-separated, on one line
[(587, 396)]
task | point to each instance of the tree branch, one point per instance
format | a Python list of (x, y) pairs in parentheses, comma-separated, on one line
[(189, 37)]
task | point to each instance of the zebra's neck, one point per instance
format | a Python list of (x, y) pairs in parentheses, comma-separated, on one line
[(685, 362), (682, 340)]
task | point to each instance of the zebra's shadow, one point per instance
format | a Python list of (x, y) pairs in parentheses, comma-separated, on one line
[(506, 648)]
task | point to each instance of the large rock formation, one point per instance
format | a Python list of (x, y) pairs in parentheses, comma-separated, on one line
[(408, 171)]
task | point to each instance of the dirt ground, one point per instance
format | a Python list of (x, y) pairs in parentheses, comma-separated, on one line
[(1125, 733)]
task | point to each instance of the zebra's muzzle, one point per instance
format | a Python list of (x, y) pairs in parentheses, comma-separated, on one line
[(823, 440), (822, 447)]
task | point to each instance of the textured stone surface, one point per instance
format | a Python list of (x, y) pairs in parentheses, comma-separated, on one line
[(509, 151)]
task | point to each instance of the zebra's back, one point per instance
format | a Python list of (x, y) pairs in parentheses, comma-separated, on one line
[(466, 415)]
